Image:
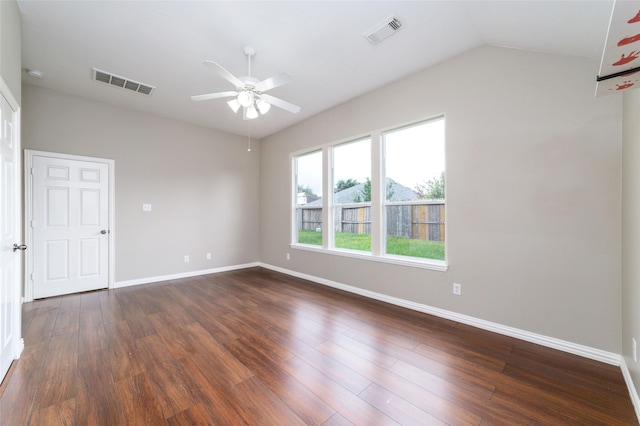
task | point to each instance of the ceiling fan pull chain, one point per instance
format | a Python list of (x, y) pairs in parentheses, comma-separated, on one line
[(249, 142)]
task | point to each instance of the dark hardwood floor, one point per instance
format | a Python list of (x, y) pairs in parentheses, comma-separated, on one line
[(260, 348)]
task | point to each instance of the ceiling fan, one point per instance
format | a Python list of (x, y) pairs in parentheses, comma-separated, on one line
[(249, 93)]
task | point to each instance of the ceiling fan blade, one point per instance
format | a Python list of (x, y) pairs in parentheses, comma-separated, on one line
[(270, 83), (287, 106), (213, 96), (224, 73)]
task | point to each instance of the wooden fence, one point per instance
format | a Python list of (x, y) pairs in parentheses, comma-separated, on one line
[(419, 220), (309, 218)]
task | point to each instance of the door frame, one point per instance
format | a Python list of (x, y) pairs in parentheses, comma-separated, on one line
[(28, 213), (18, 340)]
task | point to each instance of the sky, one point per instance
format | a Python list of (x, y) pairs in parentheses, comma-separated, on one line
[(413, 155)]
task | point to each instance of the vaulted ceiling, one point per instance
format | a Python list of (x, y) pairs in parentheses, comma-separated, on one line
[(321, 43)]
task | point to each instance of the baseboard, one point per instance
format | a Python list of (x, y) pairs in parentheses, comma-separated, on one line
[(149, 280), (633, 393), (19, 349), (551, 342)]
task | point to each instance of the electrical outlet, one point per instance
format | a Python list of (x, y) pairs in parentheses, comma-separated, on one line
[(288, 256), (186, 259), (457, 289), (146, 207), (208, 256), (634, 349)]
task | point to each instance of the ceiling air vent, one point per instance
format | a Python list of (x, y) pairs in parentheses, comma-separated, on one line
[(125, 83), (383, 30)]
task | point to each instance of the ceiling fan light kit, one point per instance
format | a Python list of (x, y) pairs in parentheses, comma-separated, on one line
[(263, 106), (249, 93), (234, 105), (250, 112), (245, 98)]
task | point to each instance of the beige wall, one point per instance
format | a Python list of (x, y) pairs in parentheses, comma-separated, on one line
[(631, 231), (10, 50), (202, 183), (533, 193)]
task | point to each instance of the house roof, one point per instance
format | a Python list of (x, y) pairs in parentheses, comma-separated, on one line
[(346, 196), (321, 43)]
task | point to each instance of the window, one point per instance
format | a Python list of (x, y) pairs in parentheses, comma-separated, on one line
[(352, 195), (415, 190), (308, 198), (386, 200)]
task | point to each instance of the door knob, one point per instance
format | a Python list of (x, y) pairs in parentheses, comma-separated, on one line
[(19, 247), (104, 231)]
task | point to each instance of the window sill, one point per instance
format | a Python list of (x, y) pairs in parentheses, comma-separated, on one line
[(431, 264)]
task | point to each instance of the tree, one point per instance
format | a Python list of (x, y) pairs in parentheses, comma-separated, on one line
[(432, 189), (365, 195), (389, 189), (343, 184), (307, 190)]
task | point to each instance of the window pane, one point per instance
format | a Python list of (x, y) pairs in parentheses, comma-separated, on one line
[(415, 191), (308, 198), (352, 195)]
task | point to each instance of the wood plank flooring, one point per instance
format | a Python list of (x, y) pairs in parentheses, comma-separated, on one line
[(255, 347)]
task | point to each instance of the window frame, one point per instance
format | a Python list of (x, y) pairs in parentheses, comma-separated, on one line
[(294, 195), (385, 203), (332, 202), (378, 215)]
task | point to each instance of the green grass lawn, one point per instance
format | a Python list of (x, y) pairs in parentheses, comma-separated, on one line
[(395, 245), (310, 237)]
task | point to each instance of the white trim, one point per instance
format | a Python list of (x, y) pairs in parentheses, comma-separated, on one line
[(17, 346), (4, 90), (28, 212), (19, 349), (28, 233), (414, 262), (148, 280), (633, 393), (551, 342), (378, 204)]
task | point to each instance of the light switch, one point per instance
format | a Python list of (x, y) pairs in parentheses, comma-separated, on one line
[(146, 207)]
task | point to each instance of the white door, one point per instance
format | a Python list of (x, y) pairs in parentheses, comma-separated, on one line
[(70, 226), (10, 235)]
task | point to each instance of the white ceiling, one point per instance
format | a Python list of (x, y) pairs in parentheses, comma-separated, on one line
[(163, 44)]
